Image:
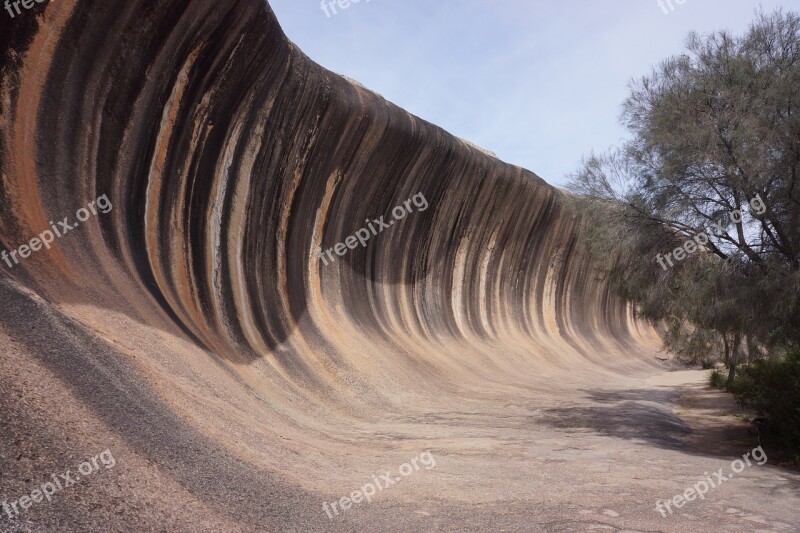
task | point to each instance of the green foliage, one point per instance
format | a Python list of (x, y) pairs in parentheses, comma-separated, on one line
[(714, 153), (717, 379), (772, 388)]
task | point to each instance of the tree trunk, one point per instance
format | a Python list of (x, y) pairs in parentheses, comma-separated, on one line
[(752, 350), (727, 358), (734, 358)]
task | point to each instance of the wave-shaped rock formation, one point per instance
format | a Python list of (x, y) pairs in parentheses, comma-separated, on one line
[(193, 329)]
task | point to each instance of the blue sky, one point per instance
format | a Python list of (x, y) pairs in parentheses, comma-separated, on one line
[(538, 82)]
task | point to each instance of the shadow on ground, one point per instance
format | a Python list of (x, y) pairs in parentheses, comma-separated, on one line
[(641, 419), (704, 426)]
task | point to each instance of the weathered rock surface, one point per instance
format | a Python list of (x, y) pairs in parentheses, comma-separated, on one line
[(239, 380)]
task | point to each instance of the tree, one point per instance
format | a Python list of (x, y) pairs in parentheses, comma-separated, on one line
[(714, 156)]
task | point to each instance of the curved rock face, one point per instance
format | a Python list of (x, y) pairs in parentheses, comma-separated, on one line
[(190, 315)]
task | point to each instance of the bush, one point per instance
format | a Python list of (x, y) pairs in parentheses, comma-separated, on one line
[(717, 379), (772, 388)]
